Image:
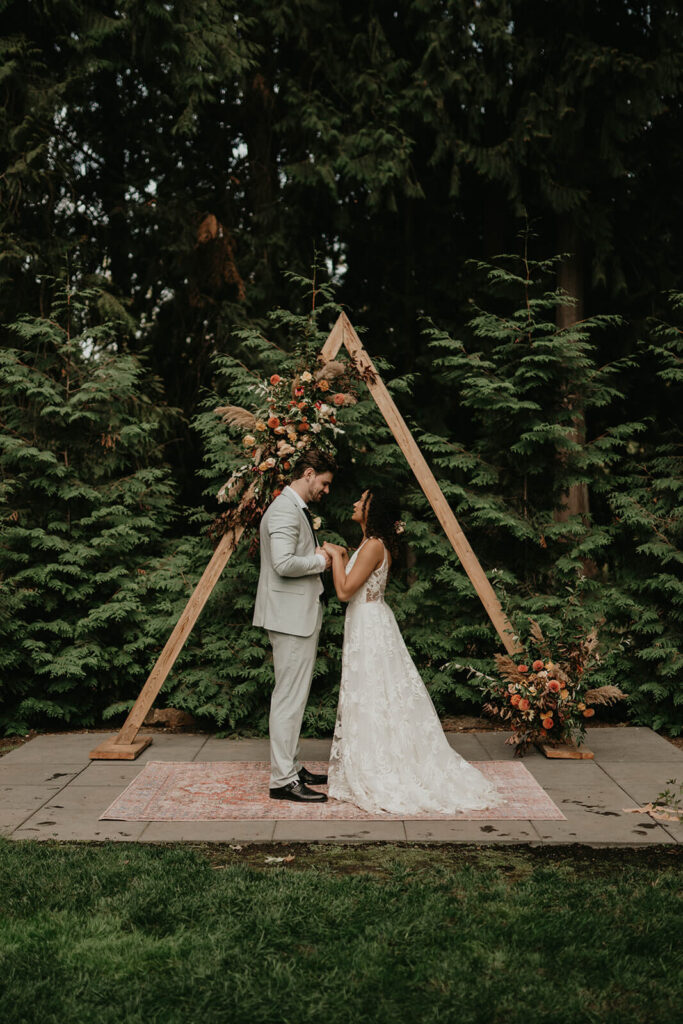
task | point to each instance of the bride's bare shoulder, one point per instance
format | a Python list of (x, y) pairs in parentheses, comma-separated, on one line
[(373, 551)]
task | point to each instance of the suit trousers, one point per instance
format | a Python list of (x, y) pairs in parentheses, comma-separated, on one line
[(293, 662)]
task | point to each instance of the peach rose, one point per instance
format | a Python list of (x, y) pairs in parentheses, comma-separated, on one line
[(537, 666), (339, 399), (588, 713), (248, 441), (275, 379), (303, 427), (524, 704), (273, 422), (306, 376), (522, 668), (564, 694), (554, 686), (515, 699), (323, 385)]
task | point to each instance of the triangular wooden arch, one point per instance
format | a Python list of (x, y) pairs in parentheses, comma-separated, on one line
[(126, 746)]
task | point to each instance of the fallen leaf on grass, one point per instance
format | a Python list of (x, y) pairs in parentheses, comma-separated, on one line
[(236, 847), (657, 812), (280, 860)]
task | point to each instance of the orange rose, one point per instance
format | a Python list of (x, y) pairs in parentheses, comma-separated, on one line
[(542, 733), (554, 686), (275, 379), (588, 713), (323, 385), (286, 465), (339, 399), (275, 493), (273, 422), (547, 723), (302, 405), (522, 668), (524, 704), (515, 699), (537, 666), (303, 427)]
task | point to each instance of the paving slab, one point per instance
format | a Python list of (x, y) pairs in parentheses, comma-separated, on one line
[(208, 832), (342, 831), (117, 774), (233, 750), (73, 813), (50, 789), (468, 746), (493, 831), (45, 774), (494, 743), (632, 743), (55, 748)]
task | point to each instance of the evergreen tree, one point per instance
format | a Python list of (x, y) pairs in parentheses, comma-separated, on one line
[(86, 500)]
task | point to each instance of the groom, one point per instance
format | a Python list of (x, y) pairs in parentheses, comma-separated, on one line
[(289, 605)]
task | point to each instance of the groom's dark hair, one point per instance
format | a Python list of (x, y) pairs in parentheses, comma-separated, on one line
[(319, 462)]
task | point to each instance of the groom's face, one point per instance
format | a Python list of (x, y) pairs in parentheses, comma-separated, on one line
[(318, 485)]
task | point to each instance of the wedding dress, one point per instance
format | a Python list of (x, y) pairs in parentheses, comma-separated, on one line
[(389, 752)]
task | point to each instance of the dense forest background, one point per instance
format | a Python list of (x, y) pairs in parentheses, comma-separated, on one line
[(490, 188)]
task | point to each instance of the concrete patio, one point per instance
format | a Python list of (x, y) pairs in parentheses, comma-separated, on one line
[(49, 789)]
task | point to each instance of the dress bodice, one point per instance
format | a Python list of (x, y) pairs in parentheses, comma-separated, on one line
[(376, 583)]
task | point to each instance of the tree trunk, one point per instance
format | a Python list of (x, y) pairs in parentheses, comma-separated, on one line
[(570, 279)]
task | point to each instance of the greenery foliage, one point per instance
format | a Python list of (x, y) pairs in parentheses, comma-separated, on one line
[(177, 158), (86, 500), (124, 933)]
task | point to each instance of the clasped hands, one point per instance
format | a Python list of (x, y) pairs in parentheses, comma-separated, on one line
[(330, 551)]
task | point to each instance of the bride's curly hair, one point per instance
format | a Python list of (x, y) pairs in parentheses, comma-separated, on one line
[(384, 519)]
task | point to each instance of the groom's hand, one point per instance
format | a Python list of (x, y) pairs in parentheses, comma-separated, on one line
[(326, 556)]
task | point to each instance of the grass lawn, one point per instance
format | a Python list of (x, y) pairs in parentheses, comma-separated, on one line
[(116, 932)]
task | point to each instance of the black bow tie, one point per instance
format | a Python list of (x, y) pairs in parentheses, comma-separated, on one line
[(307, 512)]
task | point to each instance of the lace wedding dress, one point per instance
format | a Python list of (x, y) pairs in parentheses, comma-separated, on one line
[(389, 751)]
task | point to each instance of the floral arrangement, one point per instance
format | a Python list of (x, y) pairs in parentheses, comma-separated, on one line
[(292, 415), (544, 696)]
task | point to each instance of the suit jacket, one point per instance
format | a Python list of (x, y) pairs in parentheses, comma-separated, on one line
[(287, 598)]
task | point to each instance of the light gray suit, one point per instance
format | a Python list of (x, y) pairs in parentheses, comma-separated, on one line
[(288, 606)]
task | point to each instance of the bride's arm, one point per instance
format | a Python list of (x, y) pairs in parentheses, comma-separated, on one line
[(370, 557)]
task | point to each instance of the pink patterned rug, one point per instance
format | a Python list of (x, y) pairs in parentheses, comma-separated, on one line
[(229, 790)]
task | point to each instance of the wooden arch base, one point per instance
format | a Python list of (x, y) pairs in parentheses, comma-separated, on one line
[(126, 745)]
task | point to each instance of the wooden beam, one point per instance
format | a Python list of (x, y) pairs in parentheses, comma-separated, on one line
[(124, 746), (429, 485), (335, 339)]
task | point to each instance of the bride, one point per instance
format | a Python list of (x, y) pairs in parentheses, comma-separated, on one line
[(389, 752)]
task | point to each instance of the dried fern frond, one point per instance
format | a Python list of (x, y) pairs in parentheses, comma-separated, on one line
[(539, 639), (236, 416), (591, 642), (508, 669), (330, 370), (231, 488), (604, 695)]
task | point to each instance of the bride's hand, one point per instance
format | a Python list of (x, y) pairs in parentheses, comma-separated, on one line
[(334, 549)]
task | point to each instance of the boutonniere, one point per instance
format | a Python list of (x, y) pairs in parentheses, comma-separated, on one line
[(317, 523)]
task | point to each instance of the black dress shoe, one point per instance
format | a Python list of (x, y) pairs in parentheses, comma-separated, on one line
[(310, 779), (298, 792)]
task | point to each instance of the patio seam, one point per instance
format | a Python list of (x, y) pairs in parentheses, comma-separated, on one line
[(55, 793), (660, 825)]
